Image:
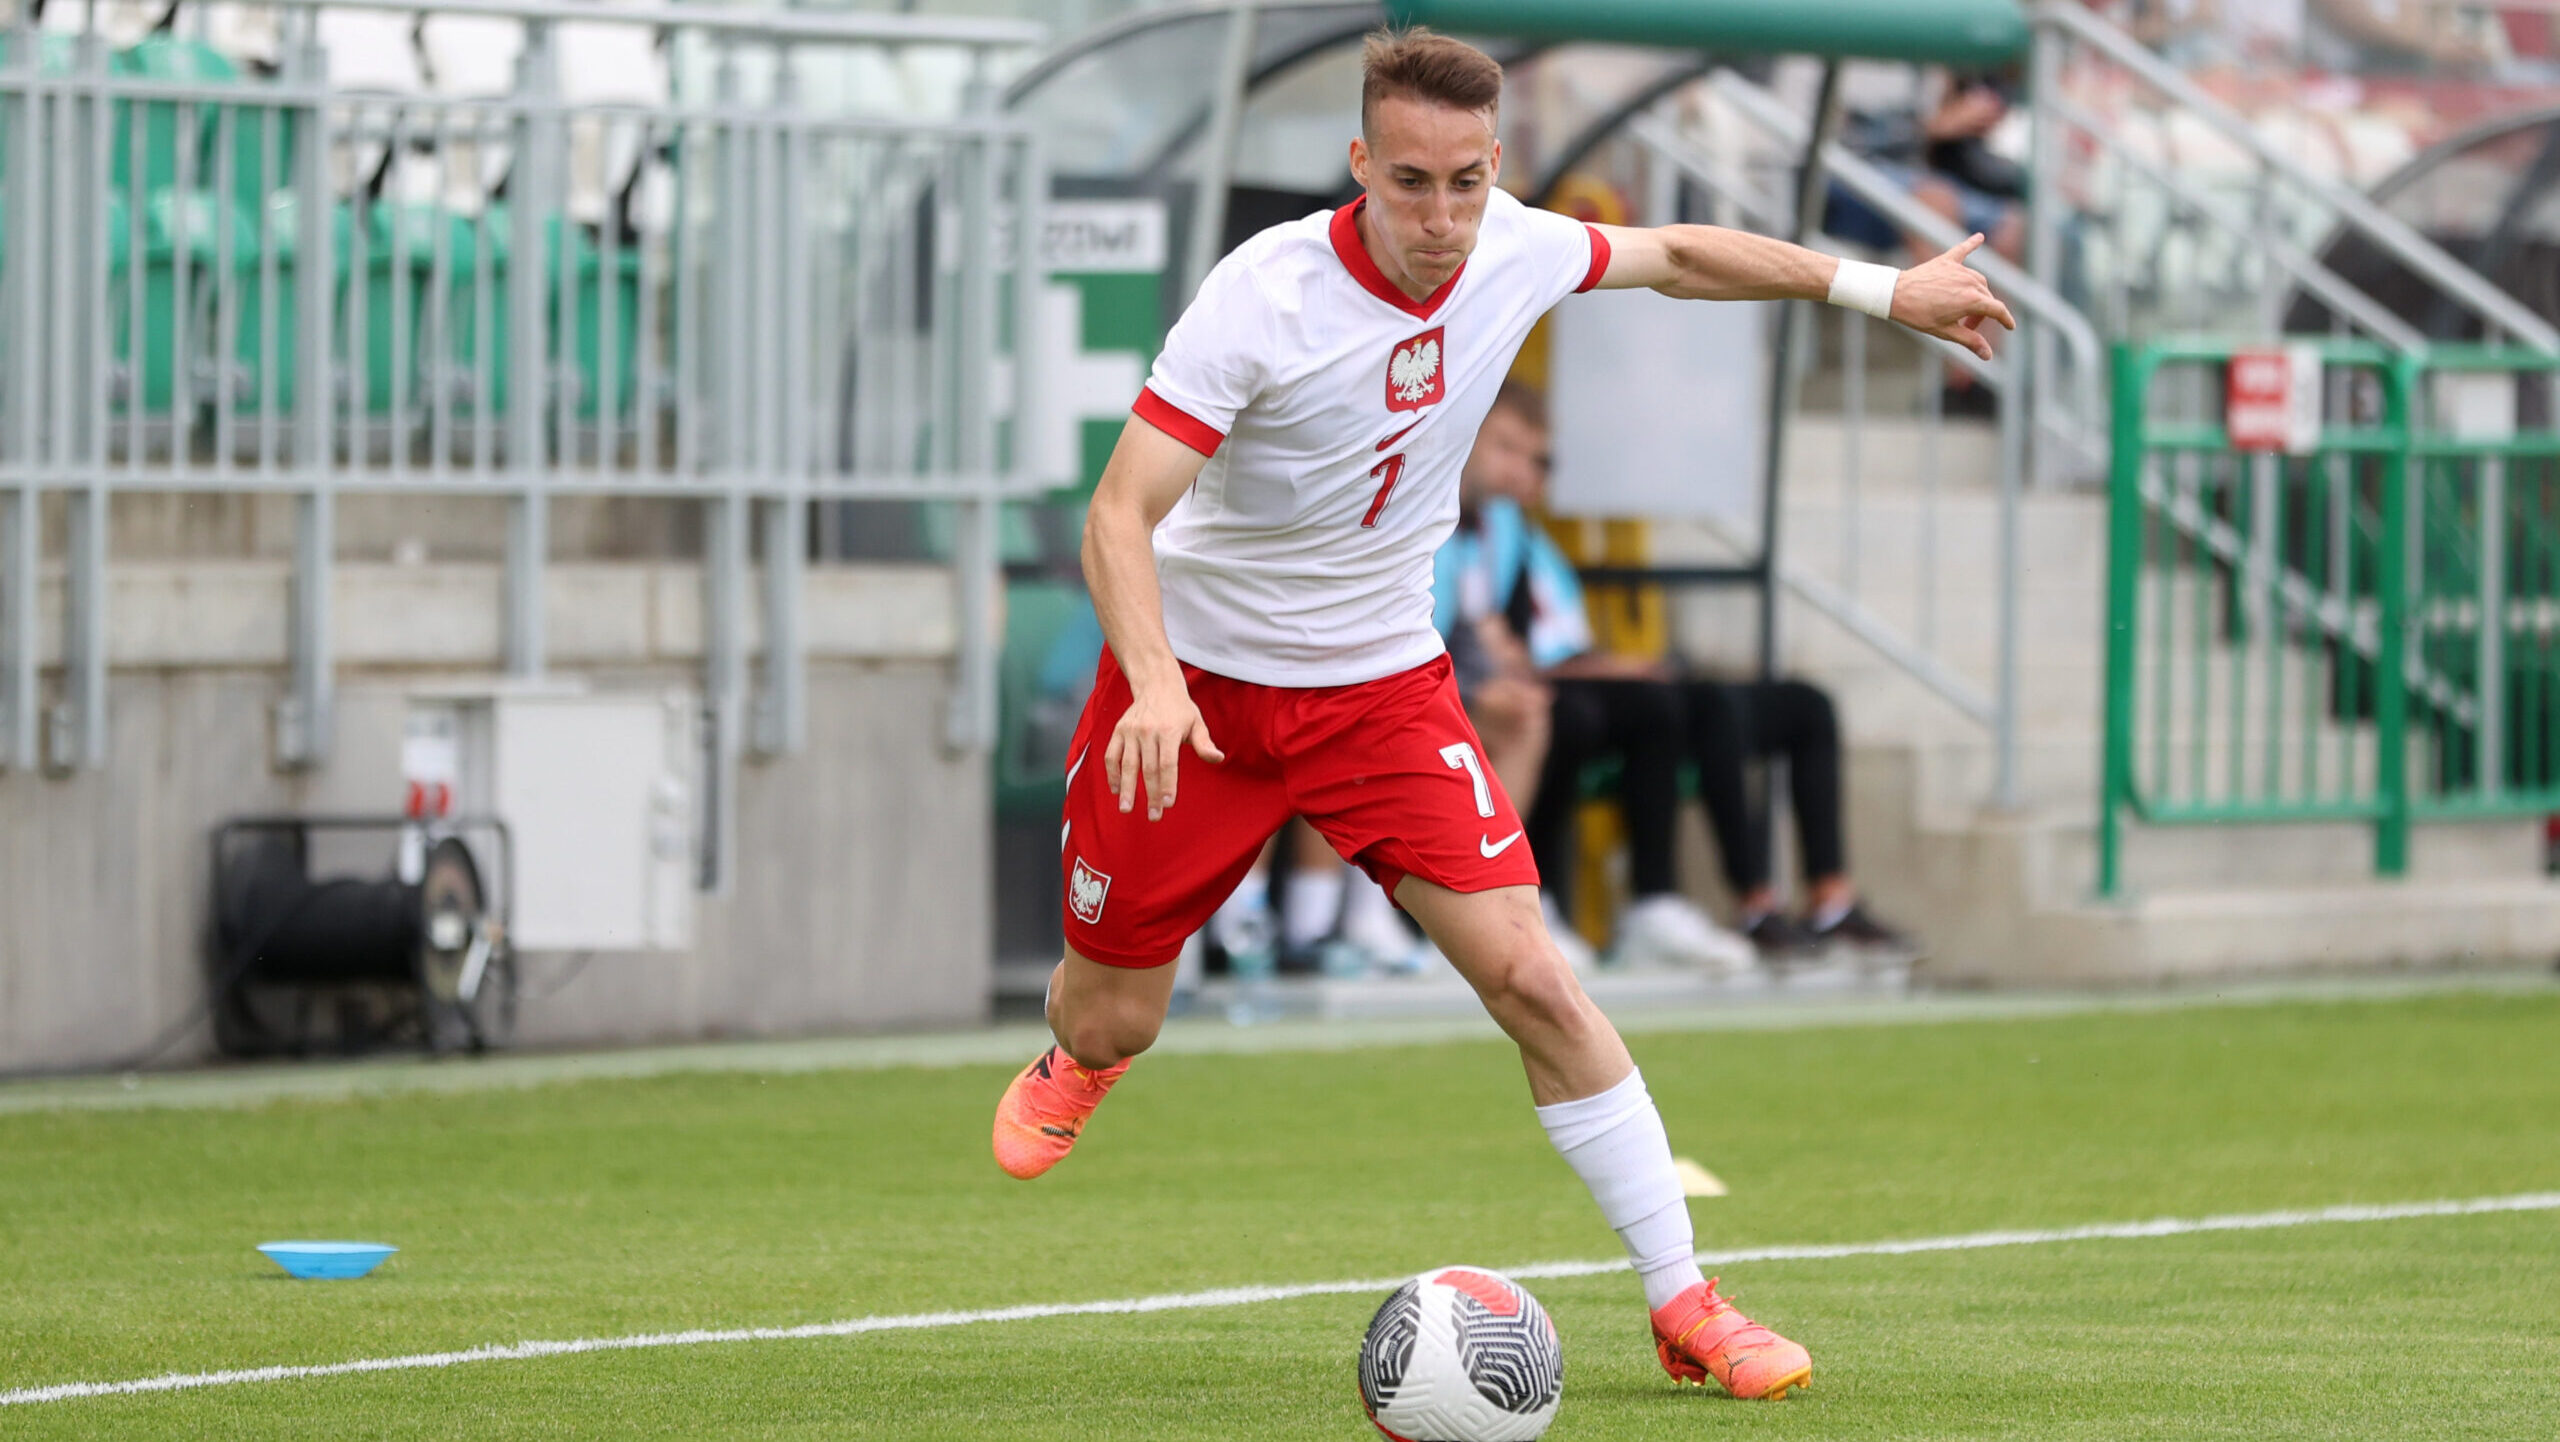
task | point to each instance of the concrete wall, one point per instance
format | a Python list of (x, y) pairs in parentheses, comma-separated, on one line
[(862, 892)]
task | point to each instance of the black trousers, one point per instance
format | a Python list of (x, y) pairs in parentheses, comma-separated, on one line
[(1639, 722), (1734, 724)]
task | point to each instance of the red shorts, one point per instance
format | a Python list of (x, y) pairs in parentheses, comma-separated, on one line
[(1389, 771)]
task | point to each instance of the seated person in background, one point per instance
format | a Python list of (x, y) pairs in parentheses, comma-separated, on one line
[(1511, 607), (1326, 896), (1939, 151), (1607, 702), (1321, 897), (1734, 723)]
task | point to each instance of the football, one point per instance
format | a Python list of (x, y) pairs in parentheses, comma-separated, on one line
[(1460, 1354)]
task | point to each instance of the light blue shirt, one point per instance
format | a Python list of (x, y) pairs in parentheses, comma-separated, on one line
[(1477, 569)]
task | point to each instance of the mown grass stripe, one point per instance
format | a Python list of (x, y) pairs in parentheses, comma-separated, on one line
[(1248, 1296)]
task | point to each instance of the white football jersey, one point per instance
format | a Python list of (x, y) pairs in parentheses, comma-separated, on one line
[(1336, 412)]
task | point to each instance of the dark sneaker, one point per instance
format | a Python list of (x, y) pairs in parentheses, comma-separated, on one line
[(1855, 927), (1781, 937)]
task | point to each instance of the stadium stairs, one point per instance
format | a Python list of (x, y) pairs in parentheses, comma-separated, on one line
[(2005, 897)]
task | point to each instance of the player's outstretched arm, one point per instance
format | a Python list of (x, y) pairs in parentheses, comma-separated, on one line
[(1149, 471), (1941, 296)]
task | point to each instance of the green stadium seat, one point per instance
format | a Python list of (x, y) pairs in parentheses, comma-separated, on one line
[(586, 263), (1032, 719), (178, 61)]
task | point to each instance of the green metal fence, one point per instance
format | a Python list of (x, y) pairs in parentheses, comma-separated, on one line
[(2365, 630)]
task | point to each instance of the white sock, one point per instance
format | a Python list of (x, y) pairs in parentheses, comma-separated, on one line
[(1309, 904), (1616, 1144)]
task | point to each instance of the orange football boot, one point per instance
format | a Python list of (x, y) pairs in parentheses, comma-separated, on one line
[(1699, 1335), (1044, 1111)]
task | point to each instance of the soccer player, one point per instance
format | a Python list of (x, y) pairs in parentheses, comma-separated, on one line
[(1260, 552)]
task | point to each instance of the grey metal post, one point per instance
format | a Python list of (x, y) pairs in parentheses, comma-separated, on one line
[(724, 664), (1030, 202), (82, 387), (976, 563), (304, 722), (19, 539), (536, 191), (82, 739), (2015, 373), (725, 516), (782, 711), (1784, 380), (1218, 149)]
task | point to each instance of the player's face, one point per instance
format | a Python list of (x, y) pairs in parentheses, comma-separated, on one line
[(1428, 169)]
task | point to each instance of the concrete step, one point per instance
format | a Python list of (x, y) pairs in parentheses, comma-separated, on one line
[(2357, 926), (1893, 454), (2193, 860)]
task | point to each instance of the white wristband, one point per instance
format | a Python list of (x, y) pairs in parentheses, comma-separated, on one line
[(1859, 285)]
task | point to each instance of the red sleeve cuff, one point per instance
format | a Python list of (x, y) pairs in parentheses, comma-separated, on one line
[(1599, 260), (1178, 423)]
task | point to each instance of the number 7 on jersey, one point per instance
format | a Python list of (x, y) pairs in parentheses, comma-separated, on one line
[(1392, 468)]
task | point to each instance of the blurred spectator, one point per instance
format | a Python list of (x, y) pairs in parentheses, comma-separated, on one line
[(1512, 607), (1939, 151), (1500, 566), (1326, 897), (2372, 36), (1732, 724)]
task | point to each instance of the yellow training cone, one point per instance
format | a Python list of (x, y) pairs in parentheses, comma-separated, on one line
[(1695, 1180)]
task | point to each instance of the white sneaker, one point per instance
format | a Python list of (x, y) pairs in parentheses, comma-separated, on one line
[(1378, 933), (1577, 952), (1667, 931), (1244, 923)]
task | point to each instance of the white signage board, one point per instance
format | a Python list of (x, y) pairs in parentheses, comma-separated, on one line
[(1103, 237), (1080, 239), (1660, 407)]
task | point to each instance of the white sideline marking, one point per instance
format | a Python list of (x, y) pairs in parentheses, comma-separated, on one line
[(1247, 1296)]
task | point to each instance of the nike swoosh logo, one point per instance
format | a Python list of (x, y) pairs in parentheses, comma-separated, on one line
[(1400, 435), (1492, 849)]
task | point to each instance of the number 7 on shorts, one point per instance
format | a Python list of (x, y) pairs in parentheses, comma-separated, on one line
[(1460, 755)]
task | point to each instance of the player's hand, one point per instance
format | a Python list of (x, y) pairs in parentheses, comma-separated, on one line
[(1948, 299), (1146, 748)]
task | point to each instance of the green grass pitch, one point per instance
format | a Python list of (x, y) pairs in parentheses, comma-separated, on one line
[(603, 1208)]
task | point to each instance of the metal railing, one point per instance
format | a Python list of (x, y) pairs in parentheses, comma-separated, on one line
[(2058, 423), (2161, 248), (210, 282), (2366, 631)]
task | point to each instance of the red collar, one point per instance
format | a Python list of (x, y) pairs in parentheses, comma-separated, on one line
[(1355, 259)]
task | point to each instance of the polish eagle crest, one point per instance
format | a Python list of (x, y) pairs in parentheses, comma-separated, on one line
[(1414, 378), (1085, 890)]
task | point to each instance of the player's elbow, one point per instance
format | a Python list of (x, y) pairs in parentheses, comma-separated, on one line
[(1110, 524)]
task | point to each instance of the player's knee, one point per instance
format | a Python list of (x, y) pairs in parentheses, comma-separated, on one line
[(1533, 987), (1102, 1037)]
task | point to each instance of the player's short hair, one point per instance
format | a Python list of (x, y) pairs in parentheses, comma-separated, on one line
[(1421, 64), (1523, 400)]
